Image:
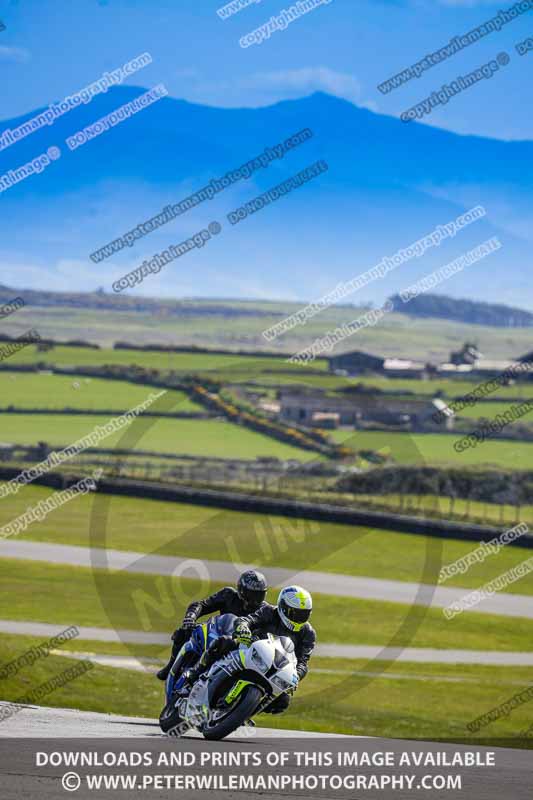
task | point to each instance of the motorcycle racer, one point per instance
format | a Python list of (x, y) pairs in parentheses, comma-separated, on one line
[(247, 598), (289, 618)]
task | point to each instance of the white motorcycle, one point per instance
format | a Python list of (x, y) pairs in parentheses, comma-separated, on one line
[(237, 687)]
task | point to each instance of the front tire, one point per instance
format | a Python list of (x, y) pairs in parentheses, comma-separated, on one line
[(250, 698), (169, 718)]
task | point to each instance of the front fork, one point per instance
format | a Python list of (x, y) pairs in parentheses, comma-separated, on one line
[(186, 657)]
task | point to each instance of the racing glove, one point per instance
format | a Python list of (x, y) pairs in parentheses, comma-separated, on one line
[(242, 634), (188, 623)]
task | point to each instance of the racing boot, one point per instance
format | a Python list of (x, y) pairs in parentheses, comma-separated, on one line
[(192, 675), (179, 637), (164, 671)]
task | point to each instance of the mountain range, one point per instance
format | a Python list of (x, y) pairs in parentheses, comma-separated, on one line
[(388, 184)]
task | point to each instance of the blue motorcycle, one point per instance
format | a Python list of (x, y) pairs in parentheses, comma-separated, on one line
[(203, 635), (236, 687)]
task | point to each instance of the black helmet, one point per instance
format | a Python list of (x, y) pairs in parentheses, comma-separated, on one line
[(252, 588)]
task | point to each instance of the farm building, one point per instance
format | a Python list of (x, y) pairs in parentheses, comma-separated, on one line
[(358, 363), (484, 368), (406, 368), (355, 363), (317, 409), (466, 362), (468, 354)]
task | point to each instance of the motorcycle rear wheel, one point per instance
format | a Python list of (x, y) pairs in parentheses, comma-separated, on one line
[(250, 698)]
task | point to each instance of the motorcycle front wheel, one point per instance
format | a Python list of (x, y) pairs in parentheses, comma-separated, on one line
[(249, 700), (169, 718)]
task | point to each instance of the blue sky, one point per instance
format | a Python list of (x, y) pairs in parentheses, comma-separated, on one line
[(52, 48)]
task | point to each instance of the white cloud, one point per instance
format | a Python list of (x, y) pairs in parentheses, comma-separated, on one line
[(266, 88), (15, 54), (306, 80)]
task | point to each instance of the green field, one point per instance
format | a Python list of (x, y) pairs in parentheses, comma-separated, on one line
[(185, 363), (44, 390), (396, 335), (216, 438), (221, 439), (412, 701), (490, 410), (209, 437), (152, 603), (267, 371), (403, 388), (142, 525), (435, 449), (449, 387)]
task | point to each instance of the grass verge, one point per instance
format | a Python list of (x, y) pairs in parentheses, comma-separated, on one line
[(178, 529), (413, 701), (154, 603)]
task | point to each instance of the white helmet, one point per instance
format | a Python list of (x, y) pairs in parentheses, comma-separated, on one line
[(294, 607)]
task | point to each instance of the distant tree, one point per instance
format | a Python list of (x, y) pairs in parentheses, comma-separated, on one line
[(470, 311)]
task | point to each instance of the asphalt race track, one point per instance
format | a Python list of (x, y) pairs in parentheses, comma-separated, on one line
[(512, 605), (69, 731), (38, 721), (421, 655)]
